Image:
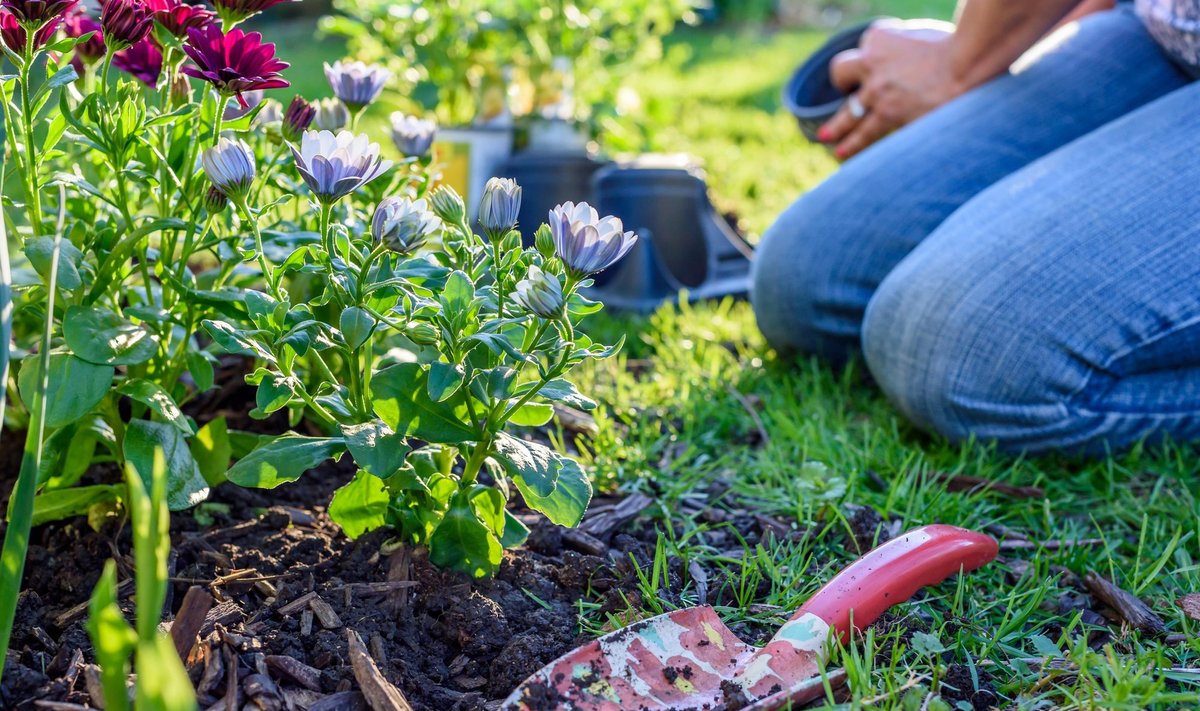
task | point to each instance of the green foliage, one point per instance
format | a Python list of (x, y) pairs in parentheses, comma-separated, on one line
[(460, 47)]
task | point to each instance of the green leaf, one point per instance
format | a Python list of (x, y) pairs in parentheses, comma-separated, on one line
[(284, 459), (532, 414), (927, 644), (40, 251), (515, 532), (402, 402), (186, 487), (533, 464), (65, 503), (458, 294), (153, 396), (444, 380), (212, 451), (360, 505), (100, 336), (162, 681), (462, 542), (231, 340), (564, 391), (76, 386), (113, 639), (201, 368), (569, 500), (357, 326), (274, 392), (376, 448)]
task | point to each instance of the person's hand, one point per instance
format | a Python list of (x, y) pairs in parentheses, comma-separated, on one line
[(900, 71)]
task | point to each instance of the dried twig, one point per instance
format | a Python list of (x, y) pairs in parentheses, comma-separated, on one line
[(1125, 604), (188, 623), (380, 693)]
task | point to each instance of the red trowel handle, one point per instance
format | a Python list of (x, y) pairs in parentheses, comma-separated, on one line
[(894, 572)]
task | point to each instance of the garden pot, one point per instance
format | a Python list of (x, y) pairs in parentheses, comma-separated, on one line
[(470, 156), (548, 179), (810, 94), (684, 244)]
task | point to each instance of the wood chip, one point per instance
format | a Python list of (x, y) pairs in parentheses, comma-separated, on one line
[(295, 670), (341, 701), (226, 614), (325, 614), (91, 682), (232, 688), (603, 523), (263, 692), (584, 542), (59, 706), (190, 620), (1190, 604), (296, 605), (214, 669), (576, 421), (378, 653), (700, 578), (1127, 605), (964, 482), (306, 620), (381, 695)]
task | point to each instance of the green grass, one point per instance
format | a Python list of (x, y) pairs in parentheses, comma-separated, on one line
[(677, 423)]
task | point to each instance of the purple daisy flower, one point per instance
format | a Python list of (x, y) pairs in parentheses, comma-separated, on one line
[(234, 11), (586, 243), (335, 166), (14, 35), (233, 63), (143, 60), (355, 83), (177, 17), (125, 22), (37, 12)]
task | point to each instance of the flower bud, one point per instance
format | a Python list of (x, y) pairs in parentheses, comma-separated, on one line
[(422, 334), (541, 293), (215, 201), (500, 206), (413, 136), (357, 84), (543, 241), (181, 91), (230, 167), (331, 115), (296, 120), (125, 22), (448, 205), (403, 225)]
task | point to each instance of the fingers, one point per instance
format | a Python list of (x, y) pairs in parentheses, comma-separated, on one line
[(847, 70), (872, 128), (839, 127)]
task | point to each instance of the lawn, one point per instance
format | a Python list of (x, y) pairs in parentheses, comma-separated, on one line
[(719, 431)]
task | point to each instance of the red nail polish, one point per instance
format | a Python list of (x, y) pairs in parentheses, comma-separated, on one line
[(841, 153), (823, 135)]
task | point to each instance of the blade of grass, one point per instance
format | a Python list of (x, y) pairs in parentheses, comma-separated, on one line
[(16, 538)]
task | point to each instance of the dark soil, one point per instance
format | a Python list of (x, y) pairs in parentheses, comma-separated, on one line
[(446, 641)]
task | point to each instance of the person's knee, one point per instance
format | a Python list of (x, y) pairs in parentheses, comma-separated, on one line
[(807, 291)]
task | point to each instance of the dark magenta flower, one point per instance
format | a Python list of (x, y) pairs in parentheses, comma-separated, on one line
[(177, 17), (125, 22), (37, 12), (78, 24), (14, 35), (233, 63), (296, 120), (234, 11), (143, 60)]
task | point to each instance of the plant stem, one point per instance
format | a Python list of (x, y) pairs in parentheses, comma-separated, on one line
[(475, 463), (268, 271), (31, 167), (326, 230)]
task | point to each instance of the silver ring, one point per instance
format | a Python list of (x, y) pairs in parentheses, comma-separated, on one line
[(857, 110)]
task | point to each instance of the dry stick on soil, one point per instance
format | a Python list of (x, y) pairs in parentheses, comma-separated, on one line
[(964, 482), (1125, 604), (601, 523), (576, 421), (1190, 604), (188, 623), (296, 605), (381, 694), (325, 614), (295, 670), (1051, 545)]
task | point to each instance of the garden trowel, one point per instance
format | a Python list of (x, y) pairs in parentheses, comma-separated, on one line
[(689, 659)]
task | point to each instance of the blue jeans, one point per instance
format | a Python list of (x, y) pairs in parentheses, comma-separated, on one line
[(1022, 265)]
